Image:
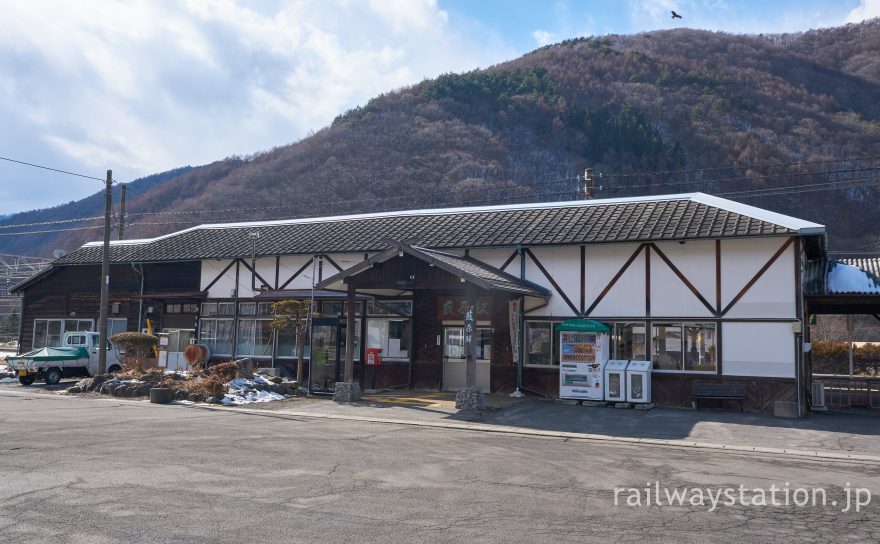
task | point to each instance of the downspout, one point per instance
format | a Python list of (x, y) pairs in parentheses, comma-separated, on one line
[(520, 339), (140, 296)]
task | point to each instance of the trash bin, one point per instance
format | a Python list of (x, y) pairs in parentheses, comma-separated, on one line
[(615, 380), (638, 381)]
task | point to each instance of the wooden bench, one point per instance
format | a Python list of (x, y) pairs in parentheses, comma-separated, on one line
[(718, 391)]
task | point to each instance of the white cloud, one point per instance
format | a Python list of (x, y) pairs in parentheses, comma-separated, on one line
[(140, 86), (867, 9), (542, 37)]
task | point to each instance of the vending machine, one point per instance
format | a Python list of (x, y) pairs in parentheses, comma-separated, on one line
[(583, 352)]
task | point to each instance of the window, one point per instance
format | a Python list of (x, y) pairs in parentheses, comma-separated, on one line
[(390, 307), (539, 343), (247, 308), (453, 345), (172, 308), (217, 335), (629, 341), (50, 332), (209, 309), (688, 347), (116, 326), (331, 307), (264, 308), (254, 338), (225, 308), (390, 335), (287, 344)]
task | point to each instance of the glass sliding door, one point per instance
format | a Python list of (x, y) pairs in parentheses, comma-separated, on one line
[(324, 361)]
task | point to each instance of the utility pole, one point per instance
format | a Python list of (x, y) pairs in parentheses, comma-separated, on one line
[(105, 277), (121, 211)]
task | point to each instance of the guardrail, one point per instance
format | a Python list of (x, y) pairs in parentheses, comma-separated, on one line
[(850, 391)]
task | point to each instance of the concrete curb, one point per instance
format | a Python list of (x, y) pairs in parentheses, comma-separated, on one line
[(498, 429), (504, 429)]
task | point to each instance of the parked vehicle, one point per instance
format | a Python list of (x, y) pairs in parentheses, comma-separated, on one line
[(78, 357)]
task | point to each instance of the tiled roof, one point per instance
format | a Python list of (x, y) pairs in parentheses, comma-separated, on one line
[(469, 269), (670, 217)]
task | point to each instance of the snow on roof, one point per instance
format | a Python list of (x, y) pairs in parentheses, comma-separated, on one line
[(846, 278)]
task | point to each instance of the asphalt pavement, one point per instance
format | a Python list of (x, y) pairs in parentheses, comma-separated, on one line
[(100, 470)]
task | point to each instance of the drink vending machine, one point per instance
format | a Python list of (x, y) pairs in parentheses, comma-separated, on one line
[(583, 352)]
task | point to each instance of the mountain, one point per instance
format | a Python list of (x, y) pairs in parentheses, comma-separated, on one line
[(770, 120)]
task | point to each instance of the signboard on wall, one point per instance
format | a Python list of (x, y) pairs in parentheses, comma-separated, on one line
[(516, 343), (454, 308)]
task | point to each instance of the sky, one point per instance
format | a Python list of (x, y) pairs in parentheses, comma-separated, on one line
[(143, 86)]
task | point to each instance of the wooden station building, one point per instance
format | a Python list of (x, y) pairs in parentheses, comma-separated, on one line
[(706, 288)]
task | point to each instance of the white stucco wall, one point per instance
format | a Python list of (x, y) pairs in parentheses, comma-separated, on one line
[(758, 349), (627, 296), (670, 297), (773, 295)]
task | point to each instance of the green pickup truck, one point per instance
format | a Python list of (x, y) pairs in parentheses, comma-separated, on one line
[(78, 357)]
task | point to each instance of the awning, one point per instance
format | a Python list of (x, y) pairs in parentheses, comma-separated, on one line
[(582, 325), (466, 268), (301, 294), (168, 295), (843, 285)]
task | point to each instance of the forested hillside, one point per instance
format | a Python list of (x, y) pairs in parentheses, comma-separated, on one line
[(788, 122)]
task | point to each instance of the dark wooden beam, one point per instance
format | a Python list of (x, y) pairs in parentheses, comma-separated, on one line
[(583, 279), (757, 276), (509, 260), (552, 281), (220, 275), (684, 280), (718, 277), (333, 263), (648, 280), (614, 280), (296, 274), (255, 273)]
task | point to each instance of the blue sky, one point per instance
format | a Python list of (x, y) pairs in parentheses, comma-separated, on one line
[(143, 86)]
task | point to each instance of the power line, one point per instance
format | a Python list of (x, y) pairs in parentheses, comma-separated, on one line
[(50, 168), (56, 222)]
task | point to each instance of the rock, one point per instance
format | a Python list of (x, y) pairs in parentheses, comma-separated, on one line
[(245, 368), (180, 394), (119, 391), (142, 390), (97, 381), (347, 392), (470, 399), (75, 390)]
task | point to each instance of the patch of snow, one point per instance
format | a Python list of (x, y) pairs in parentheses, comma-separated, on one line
[(7, 380), (248, 396), (846, 278)]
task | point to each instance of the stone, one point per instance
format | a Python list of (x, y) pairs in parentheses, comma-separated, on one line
[(160, 395), (569, 402), (785, 409), (120, 391), (594, 403), (180, 394), (142, 390), (622, 405), (245, 368), (645, 406), (75, 390), (347, 392), (470, 399)]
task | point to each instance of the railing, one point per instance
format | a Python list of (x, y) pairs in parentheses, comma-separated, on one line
[(850, 392)]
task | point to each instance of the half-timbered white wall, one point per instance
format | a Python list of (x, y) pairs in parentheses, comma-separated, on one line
[(288, 266), (749, 347)]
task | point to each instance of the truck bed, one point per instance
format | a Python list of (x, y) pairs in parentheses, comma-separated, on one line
[(61, 356)]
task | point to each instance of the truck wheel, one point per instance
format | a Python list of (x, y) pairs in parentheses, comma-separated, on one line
[(52, 376), (114, 368), (26, 380)]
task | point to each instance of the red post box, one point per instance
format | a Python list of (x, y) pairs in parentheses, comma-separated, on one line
[(374, 357)]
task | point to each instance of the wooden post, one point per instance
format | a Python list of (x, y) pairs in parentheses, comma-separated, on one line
[(105, 277), (470, 340), (349, 335)]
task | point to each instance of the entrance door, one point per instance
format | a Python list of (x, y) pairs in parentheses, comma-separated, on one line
[(324, 361), (455, 364)]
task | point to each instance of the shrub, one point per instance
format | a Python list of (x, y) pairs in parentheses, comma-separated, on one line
[(224, 371), (137, 347)]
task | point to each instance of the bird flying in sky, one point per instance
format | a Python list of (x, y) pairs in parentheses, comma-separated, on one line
[(675, 15)]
